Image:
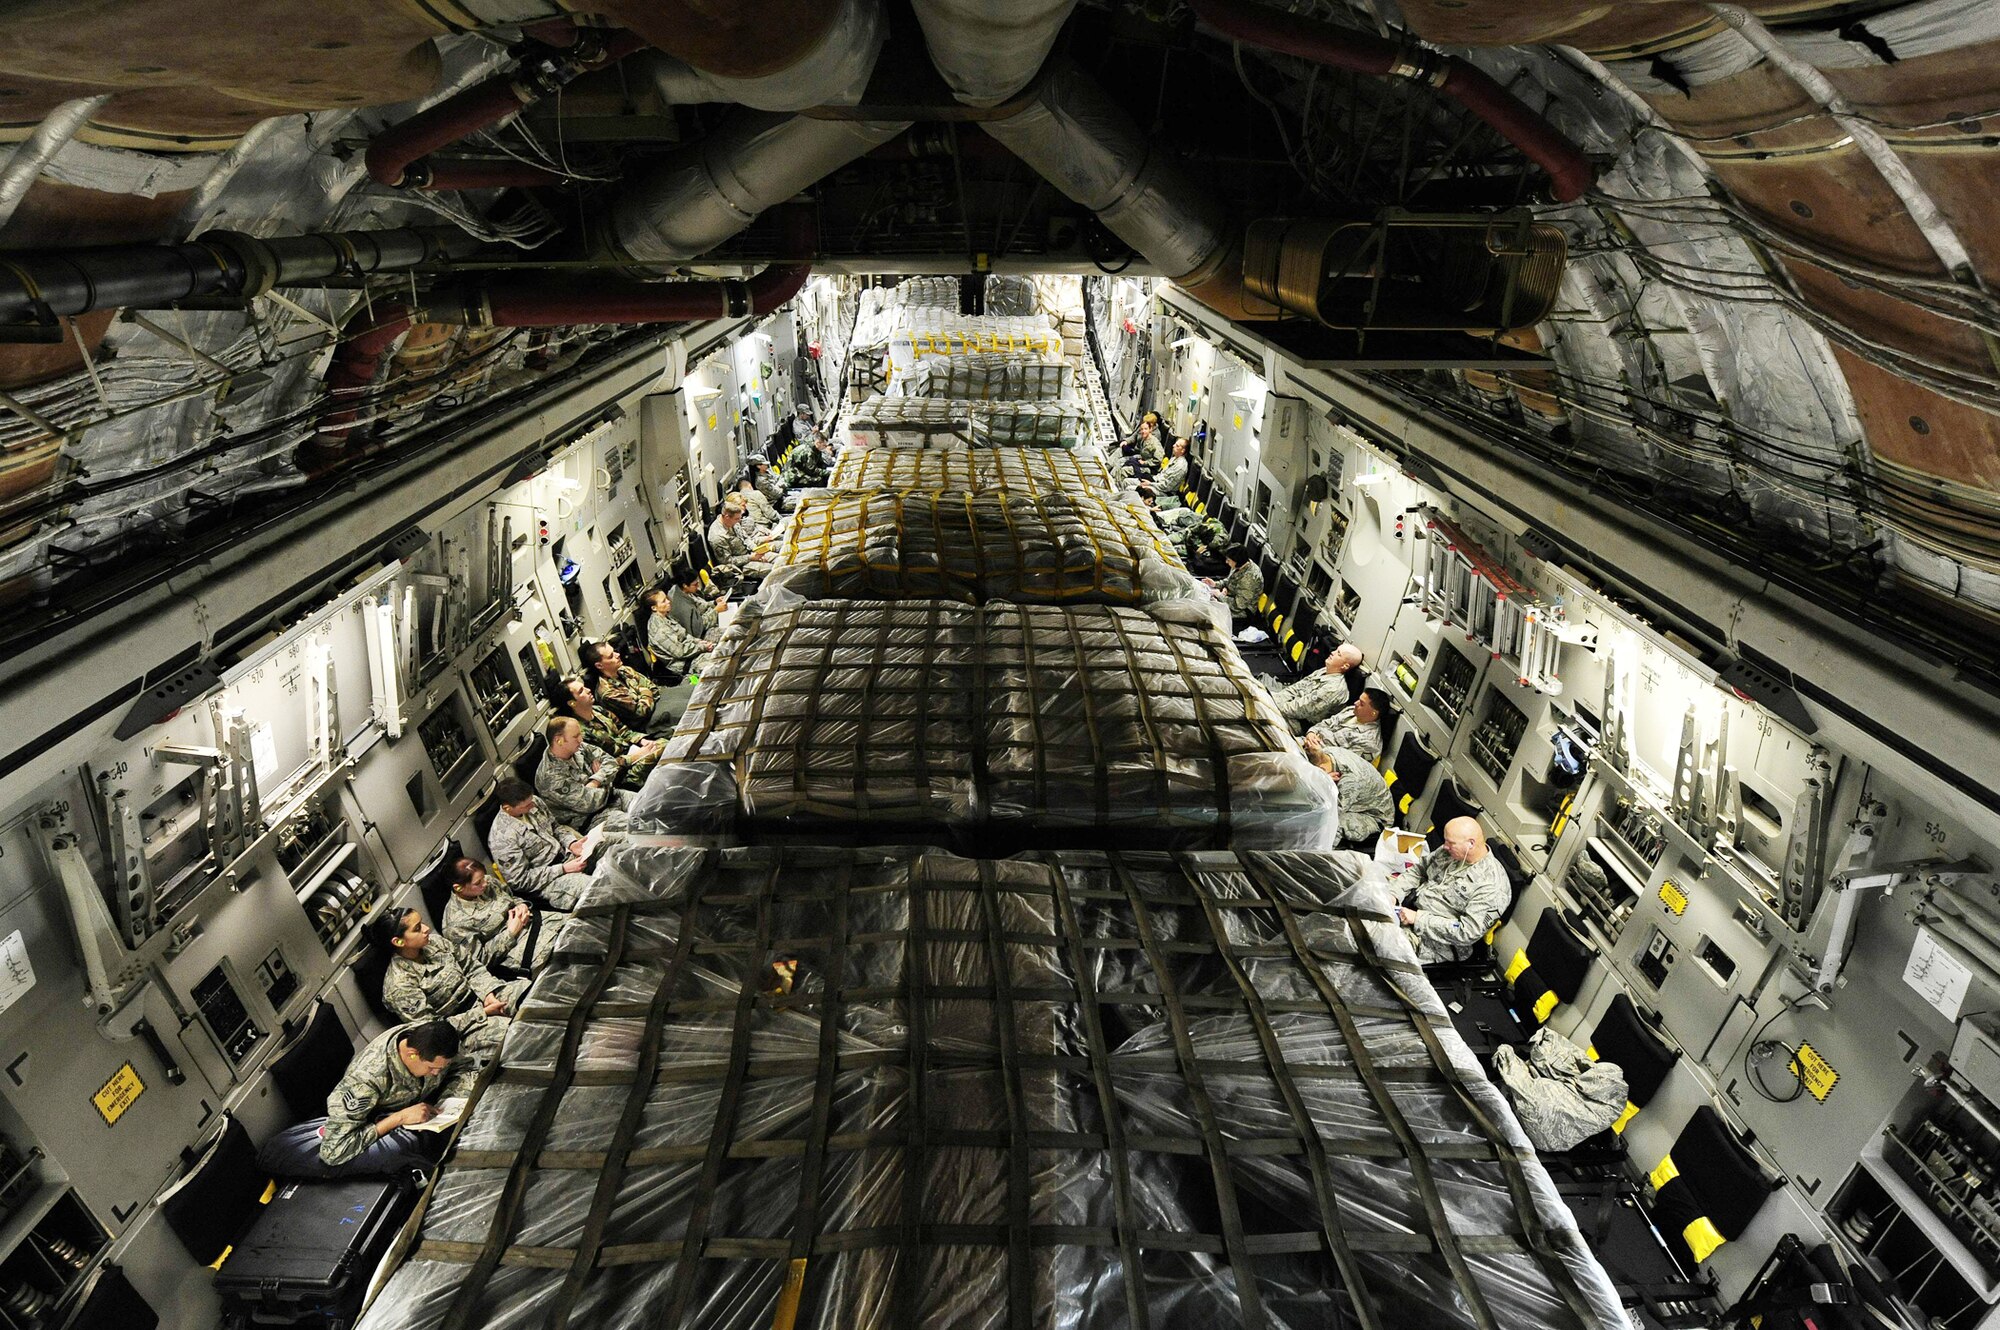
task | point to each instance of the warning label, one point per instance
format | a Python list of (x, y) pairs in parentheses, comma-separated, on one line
[(1814, 1072), (1673, 898), (118, 1094)]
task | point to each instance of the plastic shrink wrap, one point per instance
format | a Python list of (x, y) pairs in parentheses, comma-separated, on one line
[(932, 720), (995, 545), (1077, 1091), (1033, 470)]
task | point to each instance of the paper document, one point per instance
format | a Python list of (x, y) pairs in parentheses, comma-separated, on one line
[(593, 844), (1937, 974), (448, 1113)]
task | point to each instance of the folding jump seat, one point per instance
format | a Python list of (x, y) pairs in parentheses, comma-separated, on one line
[(1708, 1188), (1547, 972), (1627, 1038)]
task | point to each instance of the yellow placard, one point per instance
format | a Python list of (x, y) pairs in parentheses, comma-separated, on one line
[(1814, 1072), (118, 1094), (1673, 898), (1236, 421), (711, 420)]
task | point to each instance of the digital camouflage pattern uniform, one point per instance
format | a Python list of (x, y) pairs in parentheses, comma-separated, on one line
[(1455, 903), (1241, 589), (578, 788), (479, 926), (671, 642), (1365, 803), (444, 985), (1342, 730), (1172, 479), (695, 614), (377, 1084), (629, 693), (531, 852), (1317, 697)]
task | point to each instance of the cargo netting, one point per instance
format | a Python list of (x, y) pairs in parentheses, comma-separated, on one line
[(1090, 547), (899, 1090), (1031, 470), (990, 377), (932, 422), (991, 726)]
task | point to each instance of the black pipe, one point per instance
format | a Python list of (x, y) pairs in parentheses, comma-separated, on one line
[(39, 286)]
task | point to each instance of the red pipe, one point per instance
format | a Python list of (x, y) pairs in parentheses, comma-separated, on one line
[(1570, 172), (395, 158), (358, 362)]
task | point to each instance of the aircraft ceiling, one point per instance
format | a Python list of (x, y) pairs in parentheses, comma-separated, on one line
[(1776, 321)]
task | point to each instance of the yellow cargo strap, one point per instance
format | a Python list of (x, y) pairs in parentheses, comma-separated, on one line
[(1545, 1004), (1702, 1238), (1663, 1172), (1515, 966), (788, 1297), (1631, 1111)]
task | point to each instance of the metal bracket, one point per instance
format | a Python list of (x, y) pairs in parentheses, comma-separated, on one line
[(109, 968)]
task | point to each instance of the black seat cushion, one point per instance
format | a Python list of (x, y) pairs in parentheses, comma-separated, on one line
[(435, 885), (306, 1073), (1409, 774), (215, 1205), (1623, 1036), (371, 964), (1562, 957), (1709, 1187), (1452, 801), (531, 757)]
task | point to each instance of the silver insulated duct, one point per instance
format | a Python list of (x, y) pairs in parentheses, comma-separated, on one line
[(756, 159), (1071, 132)]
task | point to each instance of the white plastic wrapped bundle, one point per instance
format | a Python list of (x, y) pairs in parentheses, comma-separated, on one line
[(990, 377), (993, 545), (1031, 470), (1011, 294), (998, 725), (950, 1093), (932, 422)]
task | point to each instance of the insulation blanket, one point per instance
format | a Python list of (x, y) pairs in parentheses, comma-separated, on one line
[(998, 545), (1033, 470), (1080, 1091), (929, 719)]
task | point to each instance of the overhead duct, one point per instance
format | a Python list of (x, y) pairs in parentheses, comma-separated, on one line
[(832, 72), (988, 50), (753, 161), (36, 288), (756, 159)]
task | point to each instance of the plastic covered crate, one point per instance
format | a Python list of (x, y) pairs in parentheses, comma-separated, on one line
[(993, 545), (1080, 1091), (985, 727), (1032, 470)]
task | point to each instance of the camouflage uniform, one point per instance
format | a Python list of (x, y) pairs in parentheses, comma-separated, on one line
[(531, 851), (762, 511), (772, 488), (1456, 903), (1242, 588), (1365, 804), (1562, 1096), (613, 736), (1342, 730), (1317, 697), (730, 547), (578, 788), (1172, 479), (807, 468), (442, 985), (695, 614), (671, 642), (480, 927), (377, 1083), (631, 694)]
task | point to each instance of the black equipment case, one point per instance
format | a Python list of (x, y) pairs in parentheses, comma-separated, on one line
[(307, 1259)]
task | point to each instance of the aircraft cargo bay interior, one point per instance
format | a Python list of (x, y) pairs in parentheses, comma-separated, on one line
[(999, 664)]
